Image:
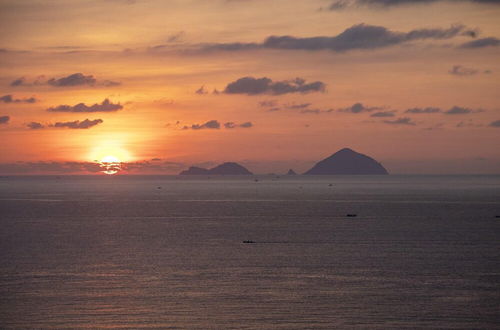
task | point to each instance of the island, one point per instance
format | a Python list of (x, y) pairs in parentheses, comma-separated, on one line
[(347, 161), (228, 168), (291, 172)]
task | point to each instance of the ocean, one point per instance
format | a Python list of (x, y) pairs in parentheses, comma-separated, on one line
[(168, 252)]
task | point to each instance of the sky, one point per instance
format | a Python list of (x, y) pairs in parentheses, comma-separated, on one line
[(270, 84)]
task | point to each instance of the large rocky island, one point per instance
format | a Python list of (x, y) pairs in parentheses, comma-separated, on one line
[(347, 161), (222, 169)]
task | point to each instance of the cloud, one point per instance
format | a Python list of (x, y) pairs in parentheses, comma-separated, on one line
[(458, 70), (18, 82), (175, 37), (246, 124), (75, 79), (360, 36), (49, 167), (481, 43), (423, 110), (4, 119), (400, 121), (211, 124), (297, 106), (495, 123), (110, 83), (201, 90), (358, 108), (268, 103), (215, 124), (456, 110), (303, 108), (468, 123), (437, 126), (105, 106), (382, 114), (10, 99), (315, 111), (35, 125), (255, 86), (79, 124), (344, 4), (231, 125)]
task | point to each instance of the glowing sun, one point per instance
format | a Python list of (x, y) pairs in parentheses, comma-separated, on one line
[(110, 165)]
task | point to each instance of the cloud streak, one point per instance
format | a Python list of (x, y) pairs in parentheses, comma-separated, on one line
[(215, 125), (104, 106), (255, 86), (10, 99), (459, 70), (85, 124), (73, 80), (455, 110), (358, 108), (400, 121), (211, 124), (231, 125), (380, 4), (357, 37), (481, 43)]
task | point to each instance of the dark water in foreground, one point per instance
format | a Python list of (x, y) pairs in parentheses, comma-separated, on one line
[(117, 252)]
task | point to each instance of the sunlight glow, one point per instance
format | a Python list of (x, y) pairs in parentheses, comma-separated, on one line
[(110, 165)]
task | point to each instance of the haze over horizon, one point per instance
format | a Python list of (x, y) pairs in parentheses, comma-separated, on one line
[(272, 85)]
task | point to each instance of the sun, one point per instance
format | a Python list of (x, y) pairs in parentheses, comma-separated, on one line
[(110, 165)]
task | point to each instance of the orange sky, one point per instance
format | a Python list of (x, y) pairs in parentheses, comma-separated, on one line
[(151, 58)]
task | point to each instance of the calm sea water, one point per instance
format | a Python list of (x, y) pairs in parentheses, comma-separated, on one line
[(168, 252)]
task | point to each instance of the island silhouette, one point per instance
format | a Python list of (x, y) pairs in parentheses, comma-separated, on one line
[(345, 161), (229, 168)]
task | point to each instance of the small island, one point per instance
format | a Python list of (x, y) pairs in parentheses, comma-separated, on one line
[(348, 162), (228, 168)]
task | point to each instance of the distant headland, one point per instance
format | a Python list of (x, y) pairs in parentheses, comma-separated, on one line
[(344, 162)]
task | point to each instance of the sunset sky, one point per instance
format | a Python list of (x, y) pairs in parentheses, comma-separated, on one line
[(271, 84)]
